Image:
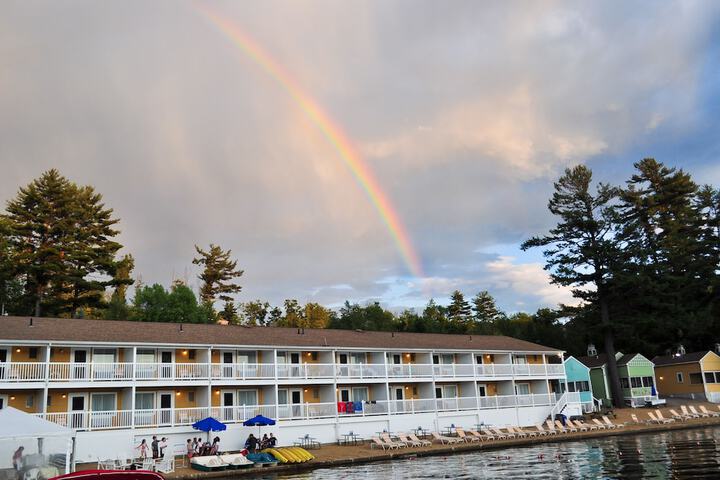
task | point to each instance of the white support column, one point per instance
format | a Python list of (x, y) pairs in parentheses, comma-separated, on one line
[(210, 384), (335, 395), (432, 392), (47, 379), (134, 388), (275, 385)]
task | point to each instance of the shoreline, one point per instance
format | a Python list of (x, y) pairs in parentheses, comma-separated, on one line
[(362, 454)]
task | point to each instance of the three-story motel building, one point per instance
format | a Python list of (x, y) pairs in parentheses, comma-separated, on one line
[(117, 382)]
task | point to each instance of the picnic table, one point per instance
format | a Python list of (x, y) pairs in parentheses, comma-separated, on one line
[(422, 432), (351, 439), (449, 430), (307, 442)]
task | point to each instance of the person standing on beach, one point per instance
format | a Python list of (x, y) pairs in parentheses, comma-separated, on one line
[(154, 447)]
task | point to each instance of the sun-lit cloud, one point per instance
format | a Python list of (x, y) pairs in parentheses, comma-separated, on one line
[(466, 112)]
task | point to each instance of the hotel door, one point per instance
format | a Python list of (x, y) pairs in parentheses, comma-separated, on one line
[(165, 402), (296, 401), (77, 410), (228, 360), (228, 403), (80, 365), (3, 362), (3, 401), (295, 369), (399, 396), (166, 367)]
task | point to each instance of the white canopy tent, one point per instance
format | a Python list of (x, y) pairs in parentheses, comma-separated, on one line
[(51, 440)]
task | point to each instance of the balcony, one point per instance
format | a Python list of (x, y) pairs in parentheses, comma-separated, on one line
[(15, 372), (153, 418)]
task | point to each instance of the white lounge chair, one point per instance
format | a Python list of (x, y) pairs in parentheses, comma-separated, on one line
[(678, 416), (443, 439), (599, 424), (685, 412), (610, 424), (423, 443), (705, 410), (660, 417), (376, 442), (544, 432), (493, 435), (568, 427), (699, 414), (465, 437), (386, 438)]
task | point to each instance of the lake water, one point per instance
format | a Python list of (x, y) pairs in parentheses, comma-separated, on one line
[(686, 454)]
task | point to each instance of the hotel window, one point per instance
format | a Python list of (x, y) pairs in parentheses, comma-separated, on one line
[(581, 387), (246, 357), (648, 382), (357, 358), (696, 379), (679, 377), (104, 355), (144, 401), (522, 389), (636, 382), (571, 387), (712, 377), (316, 393), (191, 397), (360, 394), (247, 397), (29, 401), (191, 355), (103, 402), (32, 352)]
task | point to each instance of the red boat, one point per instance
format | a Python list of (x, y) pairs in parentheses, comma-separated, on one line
[(110, 475)]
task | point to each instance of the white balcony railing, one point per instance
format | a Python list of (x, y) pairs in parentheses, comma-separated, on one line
[(22, 372), (141, 372), (152, 418)]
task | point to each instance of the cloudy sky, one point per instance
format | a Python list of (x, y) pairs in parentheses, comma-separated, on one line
[(464, 111)]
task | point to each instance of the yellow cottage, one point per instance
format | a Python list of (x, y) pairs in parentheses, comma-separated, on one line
[(692, 375)]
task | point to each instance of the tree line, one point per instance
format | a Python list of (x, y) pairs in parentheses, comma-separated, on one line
[(643, 258)]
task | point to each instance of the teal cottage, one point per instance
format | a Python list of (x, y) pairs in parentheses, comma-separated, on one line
[(577, 379)]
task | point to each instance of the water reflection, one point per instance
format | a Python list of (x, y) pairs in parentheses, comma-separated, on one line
[(689, 454)]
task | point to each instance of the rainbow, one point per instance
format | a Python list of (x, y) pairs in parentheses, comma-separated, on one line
[(330, 130)]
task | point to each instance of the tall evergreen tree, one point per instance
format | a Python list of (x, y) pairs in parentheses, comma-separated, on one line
[(61, 237), (218, 275), (581, 251), (459, 312), (255, 313)]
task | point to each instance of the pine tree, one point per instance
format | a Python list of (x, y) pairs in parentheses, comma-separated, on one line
[(229, 313), (218, 275), (255, 313), (61, 237), (582, 250), (484, 308), (459, 312)]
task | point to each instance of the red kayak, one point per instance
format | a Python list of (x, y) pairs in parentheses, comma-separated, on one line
[(110, 475)]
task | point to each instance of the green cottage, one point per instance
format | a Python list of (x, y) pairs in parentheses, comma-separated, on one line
[(637, 378)]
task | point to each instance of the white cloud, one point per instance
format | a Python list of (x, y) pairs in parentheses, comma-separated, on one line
[(527, 279)]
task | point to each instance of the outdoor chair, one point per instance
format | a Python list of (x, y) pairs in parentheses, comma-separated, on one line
[(493, 435), (678, 416), (705, 410), (551, 427), (386, 438), (529, 433), (376, 442), (568, 426), (653, 418), (407, 441), (166, 464), (599, 424), (465, 437), (443, 439), (660, 417), (699, 414), (611, 424), (497, 431), (685, 412), (423, 443), (479, 436), (516, 431), (544, 432), (580, 426)]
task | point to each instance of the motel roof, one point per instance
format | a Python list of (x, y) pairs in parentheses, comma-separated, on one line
[(694, 357), (67, 330)]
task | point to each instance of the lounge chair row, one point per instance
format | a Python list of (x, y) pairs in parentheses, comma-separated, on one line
[(686, 413)]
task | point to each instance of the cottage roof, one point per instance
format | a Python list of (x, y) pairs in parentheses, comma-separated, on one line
[(693, 357), (67, 330)]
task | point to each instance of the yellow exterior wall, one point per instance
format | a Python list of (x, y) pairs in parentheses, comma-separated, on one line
[(306, 357), (309, 395), (711, 363), (59, 399), (23, 355), (181, 357), (181, 401), (18, 398), (215, 397), (535, 359), (60, 354), (666, 377), (215, 356)]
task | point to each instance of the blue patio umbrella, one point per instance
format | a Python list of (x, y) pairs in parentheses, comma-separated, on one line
[(259, 421), (208, 425)]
